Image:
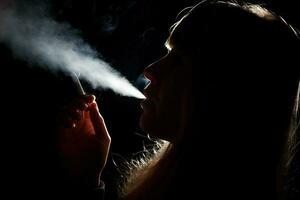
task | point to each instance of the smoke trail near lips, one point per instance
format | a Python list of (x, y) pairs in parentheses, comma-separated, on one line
[(48, 43)]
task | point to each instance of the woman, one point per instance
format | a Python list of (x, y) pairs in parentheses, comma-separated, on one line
[(218, 103)]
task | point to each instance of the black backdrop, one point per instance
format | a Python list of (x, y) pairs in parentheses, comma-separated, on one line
[(129, 34)]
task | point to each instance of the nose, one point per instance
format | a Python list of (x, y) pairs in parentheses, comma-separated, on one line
[(150, 74)]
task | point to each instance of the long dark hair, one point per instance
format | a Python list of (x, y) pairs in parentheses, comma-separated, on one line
[(240, 113)]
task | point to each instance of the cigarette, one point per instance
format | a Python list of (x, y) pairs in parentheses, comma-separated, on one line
[(77, 84)]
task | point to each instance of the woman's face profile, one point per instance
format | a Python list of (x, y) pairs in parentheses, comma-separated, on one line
[(166, 95)]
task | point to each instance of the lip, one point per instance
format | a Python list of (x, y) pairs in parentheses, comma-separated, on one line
[(147, 103)]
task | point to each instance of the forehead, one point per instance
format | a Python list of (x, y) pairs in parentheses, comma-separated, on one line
[(169, 45), (170, 42)]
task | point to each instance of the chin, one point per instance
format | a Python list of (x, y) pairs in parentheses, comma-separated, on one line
[(146, 123), (149, 124), (154, 128)]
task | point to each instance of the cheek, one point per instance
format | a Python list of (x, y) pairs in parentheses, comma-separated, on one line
[(170, 114)]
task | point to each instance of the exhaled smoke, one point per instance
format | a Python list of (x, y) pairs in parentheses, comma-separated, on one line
[(48, 43)]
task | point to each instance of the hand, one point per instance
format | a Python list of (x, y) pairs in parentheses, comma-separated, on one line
[(84, 144)]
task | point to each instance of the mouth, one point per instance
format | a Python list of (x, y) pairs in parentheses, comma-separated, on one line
[(147, 104)]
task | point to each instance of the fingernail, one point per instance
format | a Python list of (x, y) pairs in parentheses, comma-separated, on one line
[(90, 98), (94, 106)]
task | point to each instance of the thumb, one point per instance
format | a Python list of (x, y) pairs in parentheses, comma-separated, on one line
[(98, 123)]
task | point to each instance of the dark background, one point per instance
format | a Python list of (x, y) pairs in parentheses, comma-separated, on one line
[(129, 34)]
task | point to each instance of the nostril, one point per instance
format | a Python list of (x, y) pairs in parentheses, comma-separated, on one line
[(150, 76)]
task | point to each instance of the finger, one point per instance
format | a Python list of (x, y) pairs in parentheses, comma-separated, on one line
[(76, 115), (89, 98), (98, 122), (68, 123), (80, 104)]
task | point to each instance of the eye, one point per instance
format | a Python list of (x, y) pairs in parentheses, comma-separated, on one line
[(165, 52)]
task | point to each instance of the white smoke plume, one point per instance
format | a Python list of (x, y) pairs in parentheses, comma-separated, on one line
[(43, 41)]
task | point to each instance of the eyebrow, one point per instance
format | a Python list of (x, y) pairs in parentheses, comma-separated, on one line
[(168, 45)]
